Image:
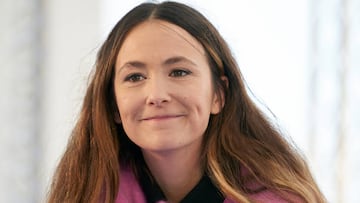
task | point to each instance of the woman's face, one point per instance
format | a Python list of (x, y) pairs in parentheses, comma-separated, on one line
[(163, 87)]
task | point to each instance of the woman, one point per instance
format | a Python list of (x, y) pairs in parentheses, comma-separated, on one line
[(167, 117)]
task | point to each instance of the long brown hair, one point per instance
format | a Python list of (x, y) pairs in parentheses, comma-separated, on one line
[(239, 137)]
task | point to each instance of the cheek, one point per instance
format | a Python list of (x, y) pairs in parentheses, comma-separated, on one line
[(125, 105), (130, 107), (204, 98), (200, 104), (127, 117)]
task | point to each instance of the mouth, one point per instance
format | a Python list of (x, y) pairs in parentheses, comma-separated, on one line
[(160, 117)]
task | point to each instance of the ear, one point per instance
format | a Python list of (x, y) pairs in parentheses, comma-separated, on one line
[(219, 99)]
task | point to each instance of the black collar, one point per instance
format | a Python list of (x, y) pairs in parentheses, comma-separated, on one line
[(204, 191)]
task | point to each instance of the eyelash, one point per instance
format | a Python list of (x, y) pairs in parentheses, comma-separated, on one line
[(175, 73), (136, 77)]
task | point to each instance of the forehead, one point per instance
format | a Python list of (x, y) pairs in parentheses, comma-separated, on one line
[(161, 36)]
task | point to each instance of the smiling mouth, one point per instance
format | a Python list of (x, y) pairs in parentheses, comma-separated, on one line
[(161, 117)]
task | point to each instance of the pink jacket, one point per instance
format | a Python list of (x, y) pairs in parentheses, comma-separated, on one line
[(131, 192)]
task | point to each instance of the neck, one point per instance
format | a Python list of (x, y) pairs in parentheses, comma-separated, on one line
[(177, 172)]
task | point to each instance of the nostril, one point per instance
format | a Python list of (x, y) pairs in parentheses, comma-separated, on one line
[(158, 102)]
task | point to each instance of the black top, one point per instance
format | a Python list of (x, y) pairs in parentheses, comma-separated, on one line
[(204, 191)]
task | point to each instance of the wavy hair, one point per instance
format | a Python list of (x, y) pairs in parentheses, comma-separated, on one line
[(240, 138)]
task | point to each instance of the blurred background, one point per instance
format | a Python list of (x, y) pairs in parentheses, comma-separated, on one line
[(300, 57)]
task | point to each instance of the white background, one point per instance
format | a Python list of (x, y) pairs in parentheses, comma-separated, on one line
[(277, 46)]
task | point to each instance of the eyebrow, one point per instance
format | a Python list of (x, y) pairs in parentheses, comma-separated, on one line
[(169, 61), (178, 59)]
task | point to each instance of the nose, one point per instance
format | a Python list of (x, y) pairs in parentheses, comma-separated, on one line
[(157, 92)]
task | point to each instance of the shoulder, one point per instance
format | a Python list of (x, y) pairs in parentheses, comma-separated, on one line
[(260, 194), (129, 188), (268, 196), (275, 197)]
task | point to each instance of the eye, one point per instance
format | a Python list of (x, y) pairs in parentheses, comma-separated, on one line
[(179, 73), (134, 77)]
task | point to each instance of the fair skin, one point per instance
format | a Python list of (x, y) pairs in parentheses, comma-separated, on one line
[(165, 97)]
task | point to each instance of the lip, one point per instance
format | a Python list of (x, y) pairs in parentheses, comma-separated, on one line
[(160, 117)]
